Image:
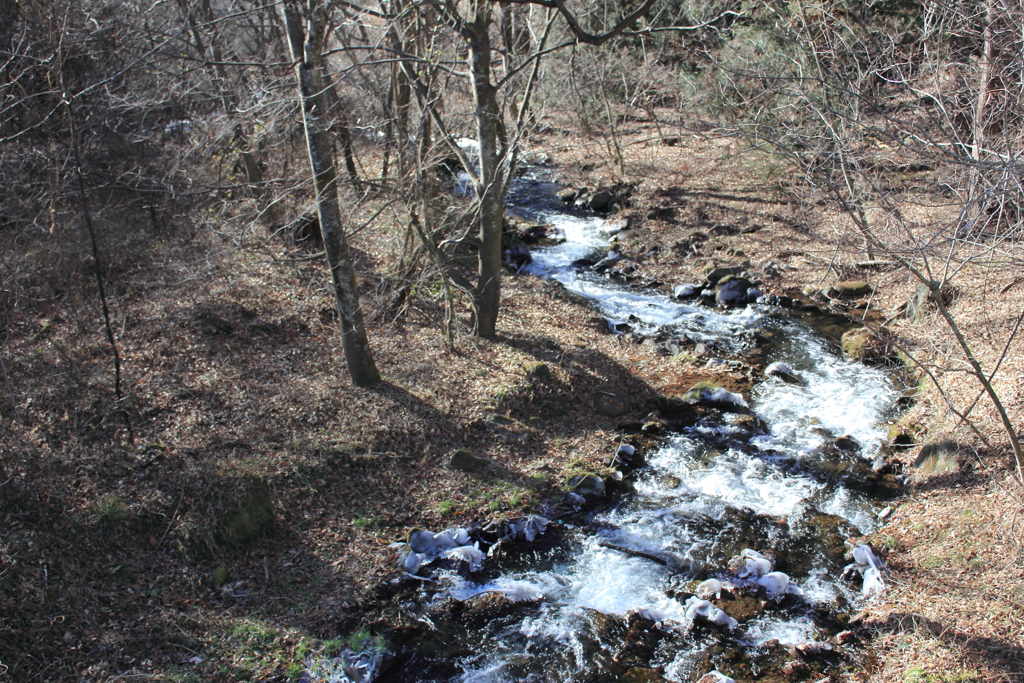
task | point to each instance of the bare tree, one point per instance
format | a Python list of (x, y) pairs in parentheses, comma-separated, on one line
[(305, 27), (854, 98)]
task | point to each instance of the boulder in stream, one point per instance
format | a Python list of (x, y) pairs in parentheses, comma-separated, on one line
[(687, 291), (783, 372), (733, 293)]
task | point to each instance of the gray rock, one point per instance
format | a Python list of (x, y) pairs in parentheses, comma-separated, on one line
[(568, 195), (849, 289), (716, 274), (771, 269), (938, 457), (783, 372), (607, 262)]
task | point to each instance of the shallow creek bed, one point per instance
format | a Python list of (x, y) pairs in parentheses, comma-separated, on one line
[(725, 546)]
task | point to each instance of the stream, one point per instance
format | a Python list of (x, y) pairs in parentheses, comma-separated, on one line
[(612, 599)]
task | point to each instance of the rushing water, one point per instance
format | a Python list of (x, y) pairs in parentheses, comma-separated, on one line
[(707, 493)]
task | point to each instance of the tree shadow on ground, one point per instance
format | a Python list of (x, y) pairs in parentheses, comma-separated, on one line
[(1005, 655)]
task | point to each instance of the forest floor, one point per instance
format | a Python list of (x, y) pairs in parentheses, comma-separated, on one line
[(115, 559)]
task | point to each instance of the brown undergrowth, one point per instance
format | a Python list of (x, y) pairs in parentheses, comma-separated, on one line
[(116, 558)]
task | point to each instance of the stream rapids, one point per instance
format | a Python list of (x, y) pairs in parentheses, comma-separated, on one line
[(614, 585)]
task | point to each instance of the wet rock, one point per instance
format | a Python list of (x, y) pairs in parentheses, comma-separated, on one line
[(795, 668), (812, 651), (641, 674), (484, 608), (733, 293), (938, 457), (740, 607), (517, 256), (626, 457), (783, 372), (847, 444), (709, 393), (607, 262), (642, 640), (568, 195), (533, 234), (715, 677), (590, 487), (610, 402), (464, 461), (581, 263), (686, 291), (751, 425)]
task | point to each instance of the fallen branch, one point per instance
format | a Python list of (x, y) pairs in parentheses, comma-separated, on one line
[(634, 553)]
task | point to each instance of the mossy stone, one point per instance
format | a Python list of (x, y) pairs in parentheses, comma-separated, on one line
[(219, 576), (850, 289), (590, 486), (535, 368)]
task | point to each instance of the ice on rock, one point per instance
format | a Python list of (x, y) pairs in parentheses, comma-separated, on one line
[(775, 583), (708, 588), (695, 607), (521, 592), (470, 554), (867, 564), (754, 564)]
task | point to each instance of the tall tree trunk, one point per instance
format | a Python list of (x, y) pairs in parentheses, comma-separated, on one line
[(305, 45), (489, 186)]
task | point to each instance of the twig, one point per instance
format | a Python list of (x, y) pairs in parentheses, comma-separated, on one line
[(170, 523)]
